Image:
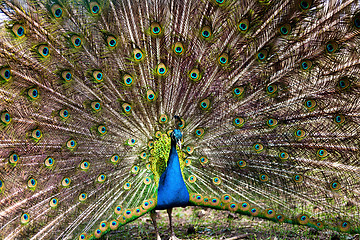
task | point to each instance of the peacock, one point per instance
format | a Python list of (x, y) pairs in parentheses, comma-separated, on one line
[(112, 109)]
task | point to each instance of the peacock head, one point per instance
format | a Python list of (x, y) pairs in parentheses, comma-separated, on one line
[(176, 136)]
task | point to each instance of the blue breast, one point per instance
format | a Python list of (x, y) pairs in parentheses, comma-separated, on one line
[(172, 191)]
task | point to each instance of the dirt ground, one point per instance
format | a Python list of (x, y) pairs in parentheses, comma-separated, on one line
[(200, 223)]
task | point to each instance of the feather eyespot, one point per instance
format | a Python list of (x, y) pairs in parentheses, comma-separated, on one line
[(270, 213), (150, 95), (82, 197), (66, 76), (49, 162), (163, 119), (243, 26), (220, 2), (216, 181), (128, 80), (57, 11), (118, 210), (214, 201), (310, 104), (244, 206), (111, 41), (241, 163), (147, 181), (272, 122), (64, 114), (25, 218), (272, 89), (114, 224), (300, 134), (285, 29), (5, 118), (192, 179), (306, 65), (205, 104), (298, 178), (187, 162), (262, 55), (161, 69), (114, 158), (237, 91), (138, 55), (322, 153), (32, 183), (335, 186), (143, 155), (18, 30), (71, 144), (226, 198), (102, 130), (238, 122), (98, 76), (305, 4), (85, 165), (178, 48), (53, 202), (194, 75), (155, 29), (254, 211), (303, 219), (189, 149), (223, 59), (1, 185), (76, 41), (131, 142), (127, 186), (44, 51), (101, 178), (95, 8), (343, 83), (258, 147), (135, 169), (5, 73), (331, 47), (96, 106), (356, 21), (206, 32), (264, 177), (14, 159), (339, 119), (65, 182), (126, 107), (344, 226), (233, 207), (33, 93), (203, 160), (280, 218), (199, 132), (97, 233), (36, 134), (283, 155), (103, 226)]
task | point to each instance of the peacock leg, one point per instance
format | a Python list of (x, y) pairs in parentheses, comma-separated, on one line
[(173, 237), (153, 216)]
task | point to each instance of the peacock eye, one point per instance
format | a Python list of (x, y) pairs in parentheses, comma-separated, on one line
[(305, 4), (306, 65), (36, 134), (298, 178), (64, 114), (223, 59), (150, 95), (199, 132), (163, 118), (161, 69), (101, 178), (127, 186), (82, 197), (243, 26), (220, 2), (76, 41), (310, 104), (216, 181), (138, 55), (98, 76), (262, 55), (205, 104), (264, 178), (299, 134), (25, 218), (5, 73), (339, 119), (238, 122), (14, 159), (128, 80), (71, 144), (178, 48), (283, 155), (95, 8), (343, 83), (357, 21), (271, 89), (49, 162), (5, 118), (258, 147), (241, 163), (96, 106), (53, 202), (66, 75), (44, 51), (206, 32), (57, 11), (111, 41), (84, 165), (285, 29), (331, 46), (155, 29), (194, 74), (335, 185), (18, 30)]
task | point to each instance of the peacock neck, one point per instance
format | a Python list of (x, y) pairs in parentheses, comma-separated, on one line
[(172, 191)]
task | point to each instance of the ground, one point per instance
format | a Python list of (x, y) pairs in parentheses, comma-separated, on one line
[(200, 223)]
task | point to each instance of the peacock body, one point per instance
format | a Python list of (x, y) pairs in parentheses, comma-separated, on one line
[(265, 95)]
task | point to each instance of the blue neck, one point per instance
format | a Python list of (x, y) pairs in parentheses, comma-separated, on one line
[(172, 191)]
